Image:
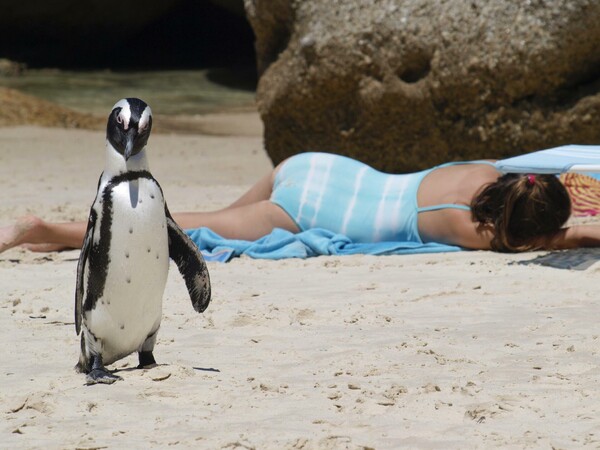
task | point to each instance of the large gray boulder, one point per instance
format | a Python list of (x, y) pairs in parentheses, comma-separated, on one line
[(406, 84)]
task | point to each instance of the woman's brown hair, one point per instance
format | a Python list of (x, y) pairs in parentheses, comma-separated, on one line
[(522, 209)]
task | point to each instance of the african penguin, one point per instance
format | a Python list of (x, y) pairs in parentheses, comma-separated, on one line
[(124, 260)]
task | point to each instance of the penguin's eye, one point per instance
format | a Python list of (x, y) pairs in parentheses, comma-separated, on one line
[(119, 118)]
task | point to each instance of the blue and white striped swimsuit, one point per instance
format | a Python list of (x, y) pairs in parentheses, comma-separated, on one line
[(342, 195)]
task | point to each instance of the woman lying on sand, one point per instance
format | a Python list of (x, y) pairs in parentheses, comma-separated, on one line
[(466, 204)]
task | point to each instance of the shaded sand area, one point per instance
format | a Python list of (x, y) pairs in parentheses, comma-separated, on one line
[(447, 351)]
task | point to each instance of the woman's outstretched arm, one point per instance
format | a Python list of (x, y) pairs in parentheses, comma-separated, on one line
[(576, 236)]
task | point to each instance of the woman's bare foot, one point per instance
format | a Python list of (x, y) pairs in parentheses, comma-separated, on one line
[(26, 231), (45, 248)]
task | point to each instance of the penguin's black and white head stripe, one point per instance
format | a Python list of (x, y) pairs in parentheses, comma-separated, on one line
[(129, 126)]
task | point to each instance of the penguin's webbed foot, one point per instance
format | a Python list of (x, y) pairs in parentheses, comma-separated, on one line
[(101, 375), (146, 359)]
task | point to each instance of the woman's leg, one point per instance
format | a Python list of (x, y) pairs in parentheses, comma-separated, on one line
[(247, 222), (226, 221), (261, 190), (250, 217), (38, 235)]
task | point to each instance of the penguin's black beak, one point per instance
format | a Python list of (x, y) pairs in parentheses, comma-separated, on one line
[(130, 143)]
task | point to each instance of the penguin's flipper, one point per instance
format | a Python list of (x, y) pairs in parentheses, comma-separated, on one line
[(83, 258), (190, 263)]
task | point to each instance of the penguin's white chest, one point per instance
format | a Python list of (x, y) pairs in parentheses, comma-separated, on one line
[(130, 308)]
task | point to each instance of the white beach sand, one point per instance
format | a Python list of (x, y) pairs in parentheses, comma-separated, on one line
[(445, 351)]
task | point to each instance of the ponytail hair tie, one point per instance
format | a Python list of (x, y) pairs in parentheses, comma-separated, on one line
[(530, 179)]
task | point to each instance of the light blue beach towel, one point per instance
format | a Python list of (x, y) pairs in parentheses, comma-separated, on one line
[(281, 244), (568, 158)]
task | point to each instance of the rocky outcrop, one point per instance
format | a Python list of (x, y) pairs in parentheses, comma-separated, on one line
[(20, 109), (10, 68), (404, 85)]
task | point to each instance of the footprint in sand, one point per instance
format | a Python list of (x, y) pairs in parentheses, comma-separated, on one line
[(243, 320)]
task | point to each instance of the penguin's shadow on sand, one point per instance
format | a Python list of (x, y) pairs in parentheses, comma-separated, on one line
[(133, 369), (576, 259)]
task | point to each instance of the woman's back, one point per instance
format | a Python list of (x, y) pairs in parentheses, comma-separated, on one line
[(454, 184)]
